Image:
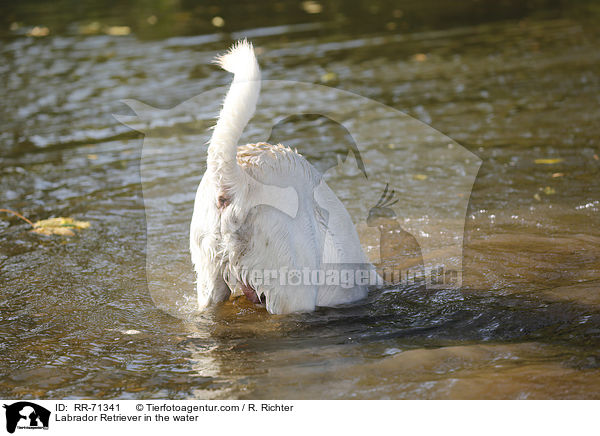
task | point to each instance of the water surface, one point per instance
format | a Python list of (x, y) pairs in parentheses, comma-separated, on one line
[(509, 83)]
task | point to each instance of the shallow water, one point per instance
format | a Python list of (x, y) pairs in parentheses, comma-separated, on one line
[(79, 316)]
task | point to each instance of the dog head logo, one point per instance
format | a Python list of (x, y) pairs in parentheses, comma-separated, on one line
[(406, 183), (26, 415)]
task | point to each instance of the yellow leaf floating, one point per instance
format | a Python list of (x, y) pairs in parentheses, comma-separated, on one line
[(312, 7), (218, 21), (420, 177), (548, 161), (38, 31), (59, 226), (117, 30), (329, 77)]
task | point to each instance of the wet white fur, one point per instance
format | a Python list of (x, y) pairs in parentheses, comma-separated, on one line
[(275, 219)]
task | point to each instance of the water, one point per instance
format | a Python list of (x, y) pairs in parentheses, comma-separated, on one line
[(510, 83)]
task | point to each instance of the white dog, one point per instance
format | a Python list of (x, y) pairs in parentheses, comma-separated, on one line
[(264, 208)]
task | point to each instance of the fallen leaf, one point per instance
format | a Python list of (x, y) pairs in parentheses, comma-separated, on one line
[(537, 197), (420, 57), (117, 30), (329, 77), (218, 21), (312, 7), (555, 175), (59, 226), (420, 177), (548, 161), (38, 31), (549, 191), (47, 231)]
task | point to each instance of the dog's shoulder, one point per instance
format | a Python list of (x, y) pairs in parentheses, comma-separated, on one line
[(272, 163), (261, 153)]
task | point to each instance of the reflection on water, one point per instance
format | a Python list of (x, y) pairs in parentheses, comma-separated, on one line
[(512, 85)]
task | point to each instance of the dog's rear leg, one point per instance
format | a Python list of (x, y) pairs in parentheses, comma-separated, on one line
[(210, 285)]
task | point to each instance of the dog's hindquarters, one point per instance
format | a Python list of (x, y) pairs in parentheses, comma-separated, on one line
[(223, 178)]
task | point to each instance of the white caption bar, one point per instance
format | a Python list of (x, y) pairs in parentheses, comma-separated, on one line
[(89, 417)]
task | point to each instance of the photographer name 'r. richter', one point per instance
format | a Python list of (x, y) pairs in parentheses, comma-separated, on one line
[(265, 407)]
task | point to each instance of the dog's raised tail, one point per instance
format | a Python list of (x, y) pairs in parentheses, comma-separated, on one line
[(238, 107)]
